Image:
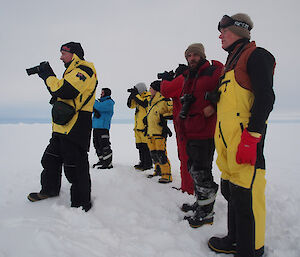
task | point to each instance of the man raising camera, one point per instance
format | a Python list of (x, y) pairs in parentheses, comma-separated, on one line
[(196, 122), (73, 99)]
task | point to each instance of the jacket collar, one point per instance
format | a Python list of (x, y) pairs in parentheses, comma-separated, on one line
[(104, 98), (236, 44), (203, 64), (76, 61)]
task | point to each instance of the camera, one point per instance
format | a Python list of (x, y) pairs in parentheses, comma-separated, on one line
[(130, 90), (186, 101), (167, 75), (213, 96), (37, 69)]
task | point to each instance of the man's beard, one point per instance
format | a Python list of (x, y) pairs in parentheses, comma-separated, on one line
[(194, 65)]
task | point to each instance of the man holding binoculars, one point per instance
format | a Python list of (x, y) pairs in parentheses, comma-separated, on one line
[(196, 120), (73, 98)]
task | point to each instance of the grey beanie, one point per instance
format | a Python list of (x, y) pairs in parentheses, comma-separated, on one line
[(195, 48), (141, 87), (240, 31)]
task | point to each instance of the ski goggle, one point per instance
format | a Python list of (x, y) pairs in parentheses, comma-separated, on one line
[(227, 21)]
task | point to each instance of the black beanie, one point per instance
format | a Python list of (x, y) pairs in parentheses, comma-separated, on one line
[(107, 91), (74, 48), (156, 85)]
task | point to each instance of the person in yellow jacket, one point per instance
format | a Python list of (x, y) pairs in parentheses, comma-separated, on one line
[(71, 134), (139, 99), (159, 111), (246, 98)]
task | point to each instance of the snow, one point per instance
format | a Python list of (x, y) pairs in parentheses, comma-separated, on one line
[(132, 215)]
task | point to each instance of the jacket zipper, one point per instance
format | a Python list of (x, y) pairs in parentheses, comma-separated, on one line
[(222, 134)]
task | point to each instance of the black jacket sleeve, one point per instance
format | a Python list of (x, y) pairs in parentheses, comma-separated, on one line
[(260, 68), (144, 103)]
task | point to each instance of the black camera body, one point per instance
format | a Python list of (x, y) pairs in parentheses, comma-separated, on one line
[(130, 90), (37, 69), (213, 96), (186, 101), (167, 75)]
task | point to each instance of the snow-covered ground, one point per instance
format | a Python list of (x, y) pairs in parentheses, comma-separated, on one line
[(132, 215)]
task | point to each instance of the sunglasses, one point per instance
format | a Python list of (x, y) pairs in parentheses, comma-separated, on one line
[(227, 21)]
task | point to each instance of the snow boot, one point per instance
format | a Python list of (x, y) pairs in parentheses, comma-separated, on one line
[(143, 167), (99, 163), (138, 166), (104, 167), (34, 197), (165, 178), (85, 207), (228, 246), (222, 245), (200, 218), (157, 172), (189, 207)]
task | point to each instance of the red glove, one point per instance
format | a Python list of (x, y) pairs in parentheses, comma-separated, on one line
[(246, 152)]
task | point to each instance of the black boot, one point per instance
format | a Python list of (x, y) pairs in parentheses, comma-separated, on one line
[(99, 163), (222, 245), (157, 172), (201, 217), (189, 207), (205, 210), (34, 197), (138, 166)]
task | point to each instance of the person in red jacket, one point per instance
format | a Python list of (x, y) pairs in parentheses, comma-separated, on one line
[(195, 123), (170, 91)]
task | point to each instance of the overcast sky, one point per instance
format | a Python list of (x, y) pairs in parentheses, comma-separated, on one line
[(131, 41)]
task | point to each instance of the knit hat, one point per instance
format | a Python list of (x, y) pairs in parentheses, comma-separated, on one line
[(197, 48), (74, 48), (141, 87), (107, 91), (239, 24), (156, 85)]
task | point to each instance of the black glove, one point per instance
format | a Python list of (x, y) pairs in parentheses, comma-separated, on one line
[(45, 71), (166, 130), (156, 85), (166, 75), (180, 69)]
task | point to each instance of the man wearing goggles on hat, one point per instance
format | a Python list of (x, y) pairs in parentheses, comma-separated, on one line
[(246, 100)]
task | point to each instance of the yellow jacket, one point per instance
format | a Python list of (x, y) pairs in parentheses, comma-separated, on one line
[(159, 107), (140, 111), (78, 83)]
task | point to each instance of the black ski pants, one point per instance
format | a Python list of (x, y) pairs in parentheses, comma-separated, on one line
[(101, 142), (200, 157), (62, 152)]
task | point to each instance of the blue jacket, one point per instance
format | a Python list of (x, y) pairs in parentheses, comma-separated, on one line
[(105, 106)]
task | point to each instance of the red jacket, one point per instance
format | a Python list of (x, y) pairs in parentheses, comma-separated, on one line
[(195, 126)]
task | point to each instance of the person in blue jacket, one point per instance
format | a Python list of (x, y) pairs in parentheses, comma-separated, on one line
[(102, 114)]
